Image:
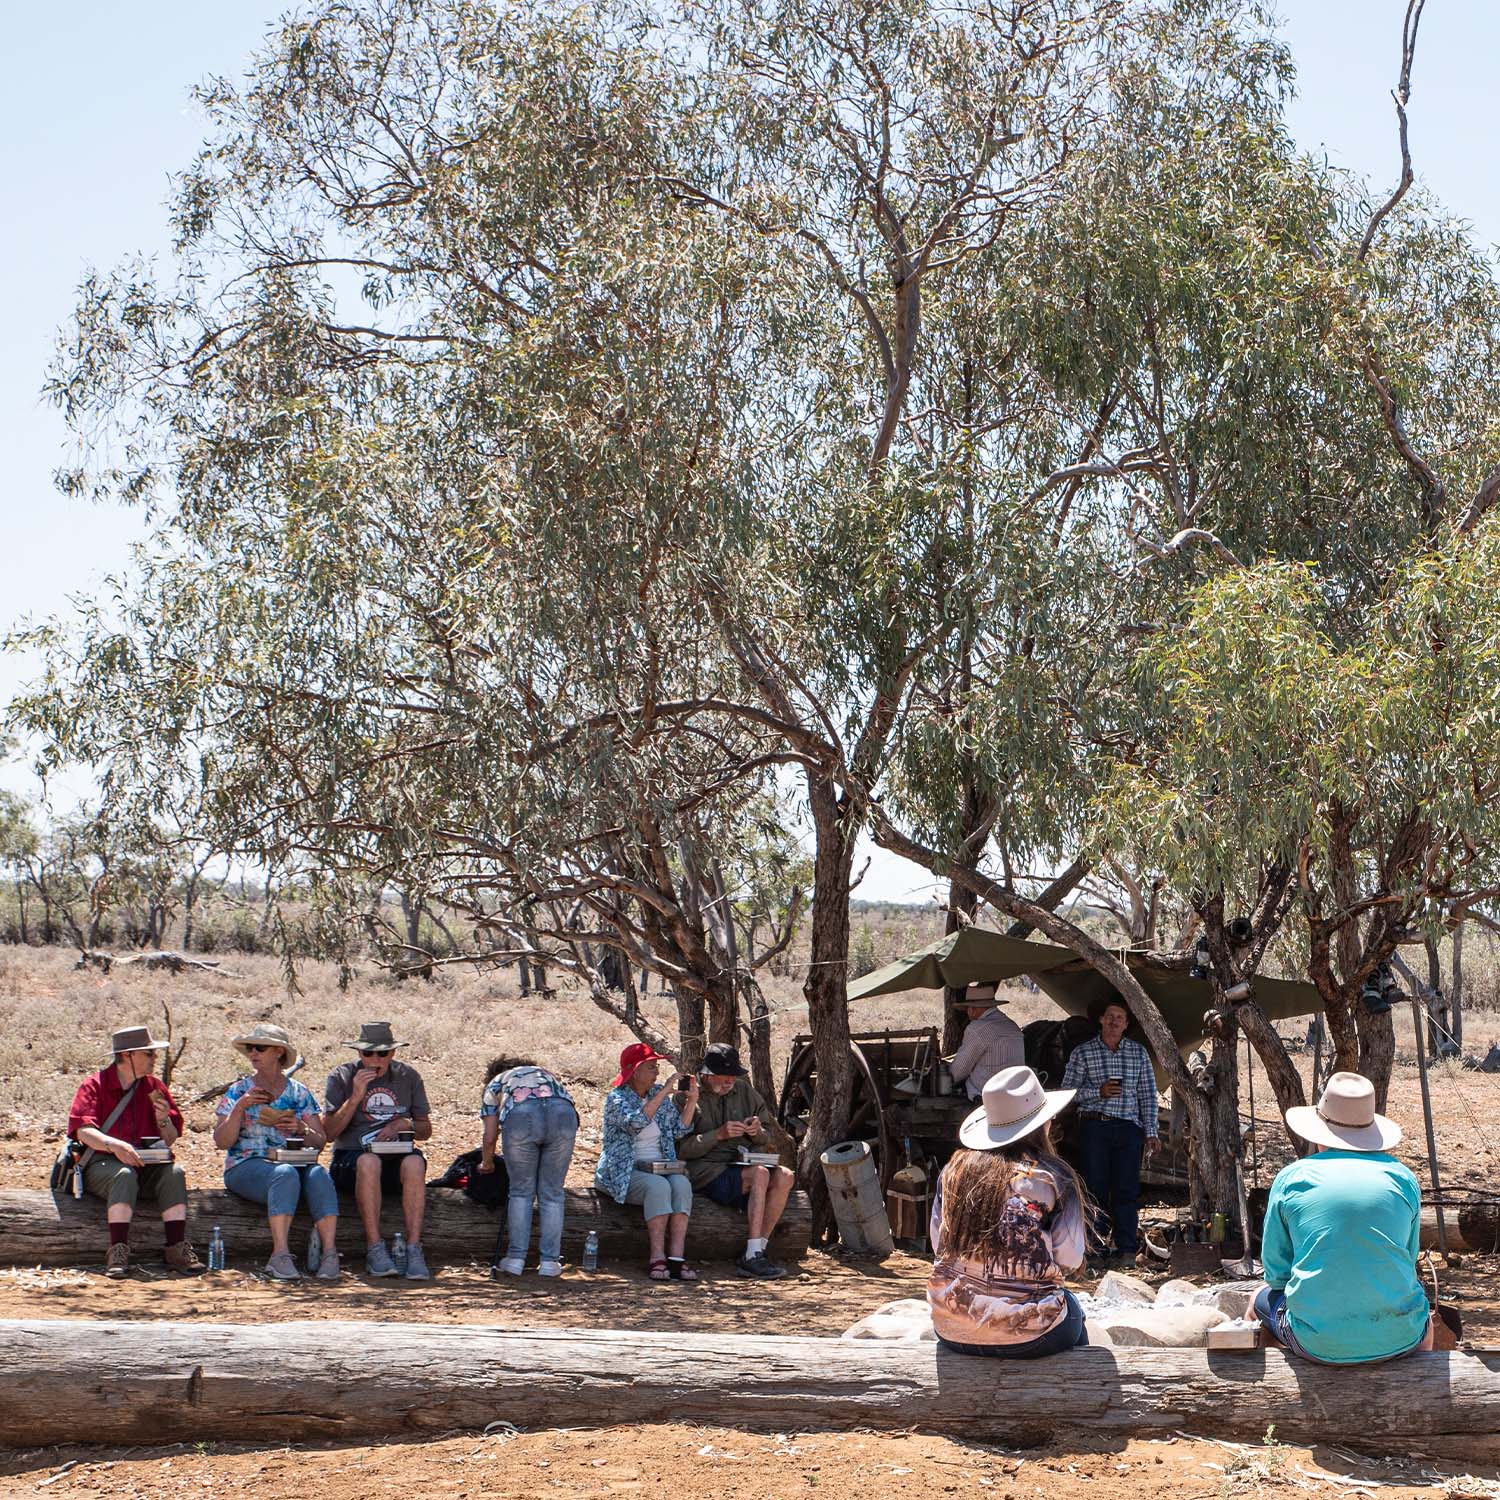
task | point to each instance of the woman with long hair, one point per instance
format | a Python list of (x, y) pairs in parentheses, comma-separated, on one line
[(1008, 1221)]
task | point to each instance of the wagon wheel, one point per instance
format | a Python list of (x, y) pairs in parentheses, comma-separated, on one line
[(868, 1118)]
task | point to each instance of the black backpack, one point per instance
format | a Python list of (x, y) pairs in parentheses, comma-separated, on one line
[(487, 1189)]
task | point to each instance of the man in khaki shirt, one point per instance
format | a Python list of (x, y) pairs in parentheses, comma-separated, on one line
[(730, 1115)]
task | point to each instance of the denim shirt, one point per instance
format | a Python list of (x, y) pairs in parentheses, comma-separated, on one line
[(624, 1119)]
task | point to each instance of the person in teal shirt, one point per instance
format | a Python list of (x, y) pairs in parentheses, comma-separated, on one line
[(1341, 1237)]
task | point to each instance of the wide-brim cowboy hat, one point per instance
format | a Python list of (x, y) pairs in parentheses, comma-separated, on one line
[(1014, 1105), (268, 1036), (983, 992), (375, 1034), (135, 1039), (1344, 1118)]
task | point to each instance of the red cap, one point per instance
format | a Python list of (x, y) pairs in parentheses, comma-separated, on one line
[(632, 1057)]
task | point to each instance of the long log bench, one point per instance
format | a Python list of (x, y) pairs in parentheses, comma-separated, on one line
[(163, 1382), (41, 1228)]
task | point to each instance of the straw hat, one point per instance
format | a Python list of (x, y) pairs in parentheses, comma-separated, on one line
[(1014, 1104), (1344, 1117), (134, 1039), (268, 1035)]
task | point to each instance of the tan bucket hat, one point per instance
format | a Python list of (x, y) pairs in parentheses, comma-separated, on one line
[(984, 992), (1344, 1117), (268, 1035), (134, 1039), (1014, 1104)]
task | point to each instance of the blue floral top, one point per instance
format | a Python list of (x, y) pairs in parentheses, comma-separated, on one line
[(624, 1119), (266, 1125)]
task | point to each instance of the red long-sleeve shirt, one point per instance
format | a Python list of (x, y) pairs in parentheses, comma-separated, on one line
[(99, 1093)]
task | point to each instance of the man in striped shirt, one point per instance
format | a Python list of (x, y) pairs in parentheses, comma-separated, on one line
[(1117, 1115)]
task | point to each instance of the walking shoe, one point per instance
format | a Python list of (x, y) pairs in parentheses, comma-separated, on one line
[(117, 1262), (314, 1252), (181, 1257), (281, 1267), (378, 1261), (416, 1264), (328, 1266), (511, 1267), (549, 1268), (758, 1268)]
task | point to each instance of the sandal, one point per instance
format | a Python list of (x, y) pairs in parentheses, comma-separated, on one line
[(657, 1271), (680, 1270)]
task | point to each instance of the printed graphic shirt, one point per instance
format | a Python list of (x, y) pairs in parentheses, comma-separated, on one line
[(512, 1087), (1019, 1297), (1092, 1062), (400, 1092), (266, 1126)]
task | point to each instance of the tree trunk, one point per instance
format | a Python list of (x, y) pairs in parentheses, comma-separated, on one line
[(762, 1079), (144, 1382), (827, 990), (691, 1028), (40, 1228), (1456, 988), (1377, 1050)]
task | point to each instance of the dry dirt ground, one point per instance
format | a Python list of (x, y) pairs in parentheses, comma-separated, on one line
[(52, 1021)]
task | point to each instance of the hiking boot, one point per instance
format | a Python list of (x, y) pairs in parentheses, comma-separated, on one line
[(182, 1257), (281, 1267), (117, 1262), (328, 1266), (770, 1270), (378, 1261), (416, 1264)]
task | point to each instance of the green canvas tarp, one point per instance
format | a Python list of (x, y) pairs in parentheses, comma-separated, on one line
[(974, 954)]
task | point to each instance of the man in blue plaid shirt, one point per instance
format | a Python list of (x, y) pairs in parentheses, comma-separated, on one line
[(1117, 1108)]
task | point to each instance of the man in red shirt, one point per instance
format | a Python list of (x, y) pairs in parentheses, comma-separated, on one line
[(114, 1170)]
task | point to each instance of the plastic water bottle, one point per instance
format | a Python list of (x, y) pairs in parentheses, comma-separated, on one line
[(216, 1250), (398, 1252), (591, 1251)]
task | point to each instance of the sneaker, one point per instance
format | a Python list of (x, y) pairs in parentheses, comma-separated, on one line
[(758, 1268), (314, 1253), (549, 1268), (416, 1264), (378, 1261), (182, 1257), (328, 1266), (117, 1262), (281, 1267), (512, 1267)]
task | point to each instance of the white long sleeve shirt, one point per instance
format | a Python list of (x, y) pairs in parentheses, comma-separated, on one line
[(992, 1042)]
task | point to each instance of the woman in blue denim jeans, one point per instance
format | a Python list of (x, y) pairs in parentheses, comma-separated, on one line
[(255, 1116), (530, 1113)]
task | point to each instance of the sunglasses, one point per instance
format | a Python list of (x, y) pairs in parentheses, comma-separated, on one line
[(376, 1051), (262, 1047)]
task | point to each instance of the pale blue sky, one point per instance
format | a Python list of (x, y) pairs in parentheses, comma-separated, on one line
[(95, 114)]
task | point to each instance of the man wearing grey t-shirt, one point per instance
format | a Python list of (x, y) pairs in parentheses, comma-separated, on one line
[(377, 1099)]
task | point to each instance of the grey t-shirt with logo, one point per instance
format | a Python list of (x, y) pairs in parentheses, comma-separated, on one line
[(399, 1092)]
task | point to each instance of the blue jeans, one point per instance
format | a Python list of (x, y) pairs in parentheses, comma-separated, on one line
[(1069, 1334), (280, 1184), (1110, 1151), (536, 1141)]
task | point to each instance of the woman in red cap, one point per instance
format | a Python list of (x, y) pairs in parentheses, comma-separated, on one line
[(642, 1125)]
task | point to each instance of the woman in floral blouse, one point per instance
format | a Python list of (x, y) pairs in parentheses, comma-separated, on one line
[(256, 1115), (642, 1125)]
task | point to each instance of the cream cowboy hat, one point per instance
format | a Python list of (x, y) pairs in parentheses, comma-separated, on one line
[(1344, 1117), (268, 1036), (1014, 1104)]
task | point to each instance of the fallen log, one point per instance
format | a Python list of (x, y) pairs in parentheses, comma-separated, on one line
[(164, 1382), (1472, 1226), (41, 1228)]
